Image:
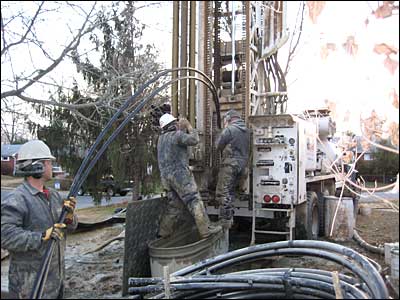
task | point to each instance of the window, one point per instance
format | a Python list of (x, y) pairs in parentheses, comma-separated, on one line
[(5, 158), (368, 156)]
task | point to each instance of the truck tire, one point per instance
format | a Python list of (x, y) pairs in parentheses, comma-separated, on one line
[(313, 218), (81, 191), (321, 212), (307, 218)]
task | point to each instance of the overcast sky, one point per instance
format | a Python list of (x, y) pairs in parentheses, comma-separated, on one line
[(356, 84)]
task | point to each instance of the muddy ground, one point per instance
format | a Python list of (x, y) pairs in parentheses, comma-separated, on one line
[(99, 274)]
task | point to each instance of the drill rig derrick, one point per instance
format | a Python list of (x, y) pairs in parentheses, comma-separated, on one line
[(236, 51), (237, 47)]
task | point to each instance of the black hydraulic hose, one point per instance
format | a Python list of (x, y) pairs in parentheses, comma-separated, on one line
[(256, 294), (319, 277), (301, 251), (294, 279), (367, 246), (300, 272), (343, 277), (373, 277), (277, 245), (43, 271), (75, 187), (41, 277), (302, 293), (265, 295), (314, 288), (134, 281), (126, 120)]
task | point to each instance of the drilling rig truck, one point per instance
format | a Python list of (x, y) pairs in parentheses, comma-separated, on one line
[(235, 44), (290, 168)]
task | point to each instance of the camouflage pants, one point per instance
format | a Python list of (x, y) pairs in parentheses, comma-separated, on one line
[(228, 179), (183, 197)]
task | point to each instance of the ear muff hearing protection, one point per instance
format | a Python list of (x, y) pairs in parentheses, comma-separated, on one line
[(30, 168)]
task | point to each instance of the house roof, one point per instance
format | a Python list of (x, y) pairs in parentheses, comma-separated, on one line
[(9, 150)]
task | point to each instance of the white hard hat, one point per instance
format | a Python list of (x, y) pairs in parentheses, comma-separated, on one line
[(232, 114), (166, 119), (34, 149)]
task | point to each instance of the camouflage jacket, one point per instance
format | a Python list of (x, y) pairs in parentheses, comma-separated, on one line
[(25, 215), (172, 150), (234, 142)]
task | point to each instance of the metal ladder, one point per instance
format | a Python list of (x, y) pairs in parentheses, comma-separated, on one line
[(289, 212)]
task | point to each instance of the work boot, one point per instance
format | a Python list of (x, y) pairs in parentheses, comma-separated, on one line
[(211, 229), (201, 219), (226, 223)]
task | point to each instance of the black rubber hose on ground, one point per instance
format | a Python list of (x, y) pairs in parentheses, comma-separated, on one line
[(369, 273), (277, 280), (367, 246), (134, 281)]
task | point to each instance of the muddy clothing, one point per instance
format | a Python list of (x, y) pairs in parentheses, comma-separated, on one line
[(172, 150), (178, 180), (25, 215), (234, 144)]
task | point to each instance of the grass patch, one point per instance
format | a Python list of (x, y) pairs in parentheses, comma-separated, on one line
[(371, 185), (98, 213), (13, 182)]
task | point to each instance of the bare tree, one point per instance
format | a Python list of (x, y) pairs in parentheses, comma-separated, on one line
[(12, 122), (295, 36), (25, 38)]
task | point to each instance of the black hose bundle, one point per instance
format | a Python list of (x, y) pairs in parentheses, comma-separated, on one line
[(206, 279), (79, 177), (365, 245), (86, 167)]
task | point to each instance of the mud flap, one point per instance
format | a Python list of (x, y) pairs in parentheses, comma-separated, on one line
[(142, 222)]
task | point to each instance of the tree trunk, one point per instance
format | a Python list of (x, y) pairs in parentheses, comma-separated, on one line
[(136, 184)]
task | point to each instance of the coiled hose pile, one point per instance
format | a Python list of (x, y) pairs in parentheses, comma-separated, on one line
[(207, 280)]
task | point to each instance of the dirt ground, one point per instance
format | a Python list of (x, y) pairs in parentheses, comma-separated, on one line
[(382, 226), (99, 274)]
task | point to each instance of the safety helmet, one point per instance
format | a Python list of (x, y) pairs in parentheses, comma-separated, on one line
[(231, 114), (34, 150), (166, 119)]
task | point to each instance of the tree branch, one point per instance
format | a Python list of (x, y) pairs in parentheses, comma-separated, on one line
[(71, 46), (6, 48), (292, 50), (59, 104)]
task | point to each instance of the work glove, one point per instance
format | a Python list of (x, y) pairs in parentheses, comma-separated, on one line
[(55, 232), (69, 205), (184, 124)]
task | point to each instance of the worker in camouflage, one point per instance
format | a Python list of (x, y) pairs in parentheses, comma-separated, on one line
[(233, 143), (177, 178), (28, 222)]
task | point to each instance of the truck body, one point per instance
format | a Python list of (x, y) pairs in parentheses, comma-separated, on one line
[(293, 163)]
